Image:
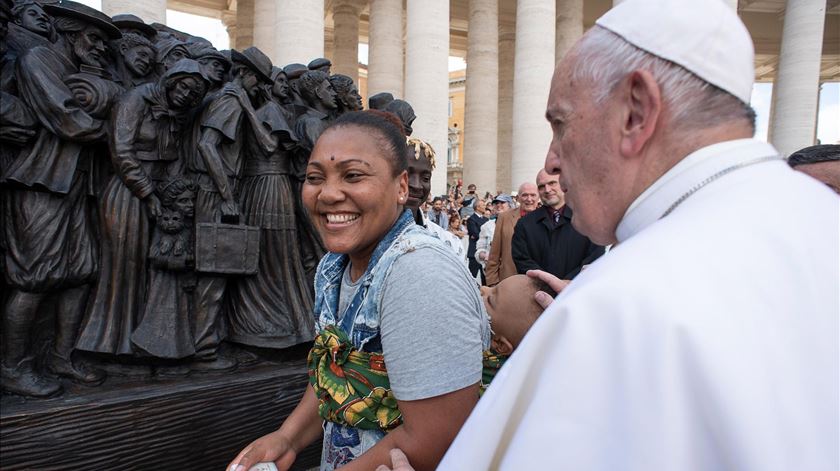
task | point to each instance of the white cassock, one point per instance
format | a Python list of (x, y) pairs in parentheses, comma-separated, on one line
[(705, 340)]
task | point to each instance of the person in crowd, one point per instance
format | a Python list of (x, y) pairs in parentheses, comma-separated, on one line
[(545, 239), (499, 263), (500, 204), (474, 223), (468, 202), (380, 267), (421, 162), (437, 214), (458, 230), (678, 366), (821, 162)]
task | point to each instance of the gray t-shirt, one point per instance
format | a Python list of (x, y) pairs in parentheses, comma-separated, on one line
[(432, 322)]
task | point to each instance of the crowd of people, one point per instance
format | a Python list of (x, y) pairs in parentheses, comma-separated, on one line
[(676, 350), (635, 306)]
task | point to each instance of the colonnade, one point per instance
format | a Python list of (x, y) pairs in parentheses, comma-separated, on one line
[(509, 67)]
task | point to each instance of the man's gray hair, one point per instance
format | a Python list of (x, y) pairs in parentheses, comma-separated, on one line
[(603, 59)]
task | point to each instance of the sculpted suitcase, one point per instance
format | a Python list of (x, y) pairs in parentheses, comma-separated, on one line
[(226, 249)]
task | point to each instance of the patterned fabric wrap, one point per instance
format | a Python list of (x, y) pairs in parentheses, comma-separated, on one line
[(352, 386), (492, 362)]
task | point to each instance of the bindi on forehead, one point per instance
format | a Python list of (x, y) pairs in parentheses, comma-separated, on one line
[(332, 157)]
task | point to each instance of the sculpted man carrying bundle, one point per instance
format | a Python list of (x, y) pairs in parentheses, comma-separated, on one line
[(49, 242)]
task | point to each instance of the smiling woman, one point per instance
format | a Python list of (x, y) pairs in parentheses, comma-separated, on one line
[(373, 308)]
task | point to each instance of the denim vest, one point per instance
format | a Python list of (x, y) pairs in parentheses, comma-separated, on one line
[(360, 321)]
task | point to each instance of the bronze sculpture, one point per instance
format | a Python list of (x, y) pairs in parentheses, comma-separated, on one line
[(50, 244), (146, 125), (216, 173), (119, 142), (135, 61), (347, 95)]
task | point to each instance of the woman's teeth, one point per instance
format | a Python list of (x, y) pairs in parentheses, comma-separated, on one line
[(341, 218)]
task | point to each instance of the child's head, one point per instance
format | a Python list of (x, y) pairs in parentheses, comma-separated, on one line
[(170, 221), (512, 309)]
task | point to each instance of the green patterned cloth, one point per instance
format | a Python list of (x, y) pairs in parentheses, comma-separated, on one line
[(491, 364), (352, 386)]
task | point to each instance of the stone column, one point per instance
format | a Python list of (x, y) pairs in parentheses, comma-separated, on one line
[(507, 35), (151, 11), (385, 54), (244, 24), (533, 67), (345, 57), (229, 20), (796, 89), (569, 26), (289, 30), (482, 95), (427, 77), (265, 28)]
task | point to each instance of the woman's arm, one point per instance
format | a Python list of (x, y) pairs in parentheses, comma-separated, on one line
[(429, 426), (302, 427)]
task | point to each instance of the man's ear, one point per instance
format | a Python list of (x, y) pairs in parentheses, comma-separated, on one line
[(501, 344), (123, 48), (643, 102)]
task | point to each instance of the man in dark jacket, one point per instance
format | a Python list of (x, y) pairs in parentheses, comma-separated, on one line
[(474, 223), (545, 239)]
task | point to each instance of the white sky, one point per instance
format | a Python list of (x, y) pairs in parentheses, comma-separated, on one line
[(828, 126)]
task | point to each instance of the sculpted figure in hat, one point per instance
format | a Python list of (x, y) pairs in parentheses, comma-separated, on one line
[(405, 112), (223, 141), (380, 100), (214, 64), (293, 73), (146, 128), (49, 245), (272, 309), (169, 51)]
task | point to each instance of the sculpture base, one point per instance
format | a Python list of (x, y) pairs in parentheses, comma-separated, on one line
[(195, 423)]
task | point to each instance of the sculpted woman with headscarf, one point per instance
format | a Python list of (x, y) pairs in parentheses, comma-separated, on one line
[(146, 126)]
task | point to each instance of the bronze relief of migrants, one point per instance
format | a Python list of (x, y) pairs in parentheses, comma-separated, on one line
[(125, 144), (152, 234)]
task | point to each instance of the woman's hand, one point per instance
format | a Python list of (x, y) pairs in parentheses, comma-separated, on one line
[(272, 447), (399, 462)]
